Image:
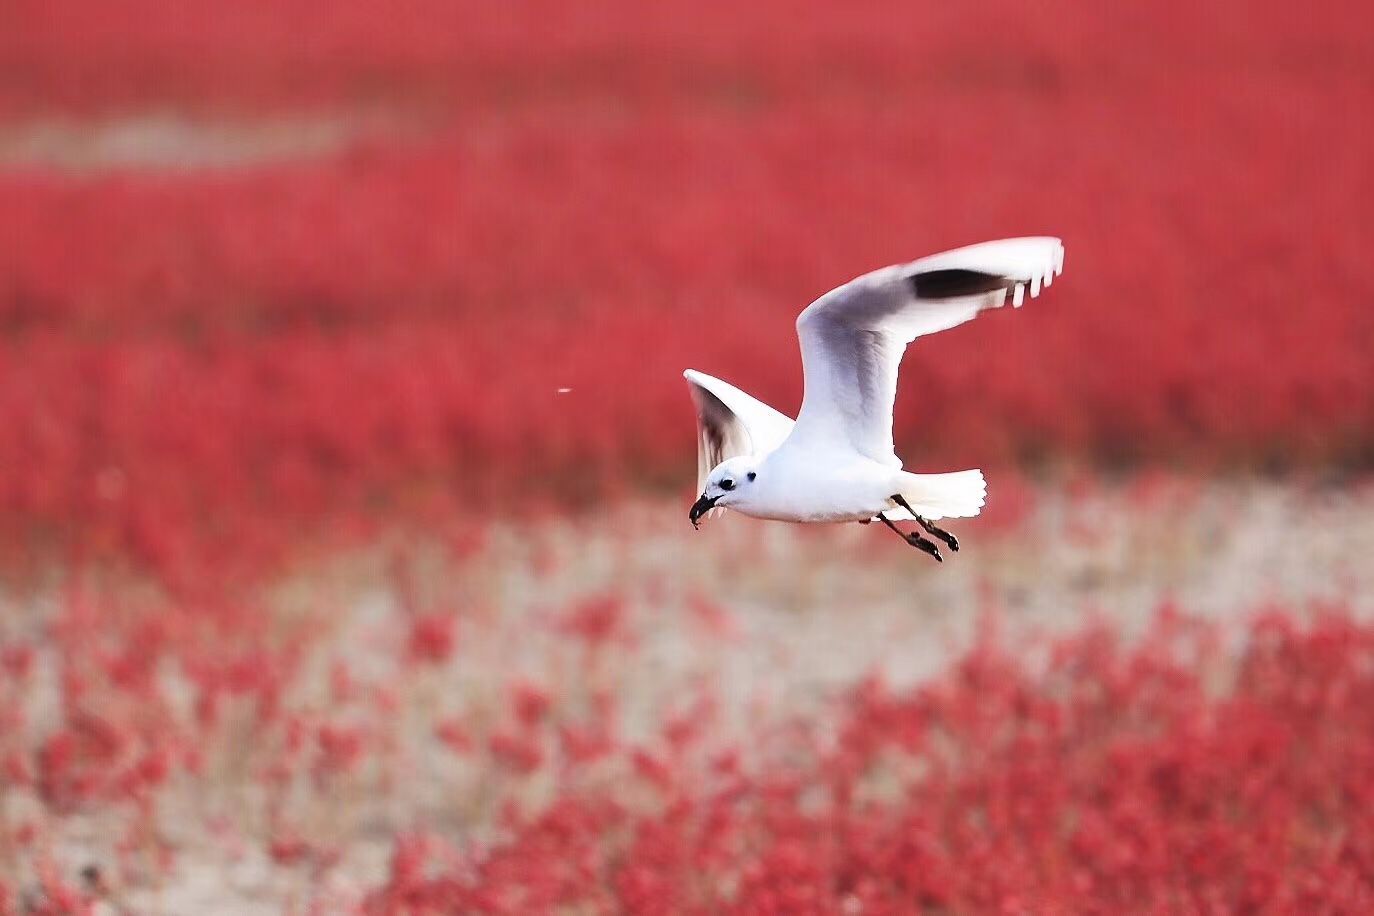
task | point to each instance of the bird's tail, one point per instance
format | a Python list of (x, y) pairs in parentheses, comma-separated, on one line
[(960, 494)]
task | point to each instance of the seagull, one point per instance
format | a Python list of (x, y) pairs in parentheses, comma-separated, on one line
[(835, 462)]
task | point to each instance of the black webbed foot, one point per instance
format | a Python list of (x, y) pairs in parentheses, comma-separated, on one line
[(915, 540), (931, 528), (950, 540)]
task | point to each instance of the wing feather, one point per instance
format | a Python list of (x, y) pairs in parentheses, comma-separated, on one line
[(853, 337), (730, 423)]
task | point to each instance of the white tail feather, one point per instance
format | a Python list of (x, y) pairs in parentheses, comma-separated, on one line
[(960, 494)]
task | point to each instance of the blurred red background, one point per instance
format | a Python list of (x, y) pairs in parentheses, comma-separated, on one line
[(277, 260), (281, 279)]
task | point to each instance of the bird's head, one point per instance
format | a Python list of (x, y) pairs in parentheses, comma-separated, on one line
[(729, 484)]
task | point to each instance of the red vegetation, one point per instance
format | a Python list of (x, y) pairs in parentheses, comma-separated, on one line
[(1176, 772), (386, 328), (542, 54), (1106, 778), (432, 638), (481, 291)]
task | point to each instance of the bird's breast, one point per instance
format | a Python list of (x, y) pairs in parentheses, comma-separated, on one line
[(819, 488)]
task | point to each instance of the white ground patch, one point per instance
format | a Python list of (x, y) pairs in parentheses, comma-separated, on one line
[(155, 140)]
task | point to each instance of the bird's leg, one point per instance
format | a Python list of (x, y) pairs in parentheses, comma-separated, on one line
[(930, 527), (914, 539), (939, 532)]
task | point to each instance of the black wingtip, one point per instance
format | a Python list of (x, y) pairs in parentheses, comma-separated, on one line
[(954, 282)]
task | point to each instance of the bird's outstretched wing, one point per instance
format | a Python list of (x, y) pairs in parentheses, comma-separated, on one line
[(853, 337), (730, 423)]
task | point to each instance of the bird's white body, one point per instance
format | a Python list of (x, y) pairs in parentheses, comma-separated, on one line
[(839, 487), (836, 462)]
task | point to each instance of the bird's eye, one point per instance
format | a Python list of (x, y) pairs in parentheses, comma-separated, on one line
[(727, 483)]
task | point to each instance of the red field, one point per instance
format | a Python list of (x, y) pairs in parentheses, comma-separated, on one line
[(190, 335), (608, 713), (288, 282), (1112, 781)]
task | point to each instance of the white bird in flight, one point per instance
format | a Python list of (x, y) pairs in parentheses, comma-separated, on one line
[(836, 462)]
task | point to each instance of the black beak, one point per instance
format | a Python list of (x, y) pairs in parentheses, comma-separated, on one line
[(700, 508)]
